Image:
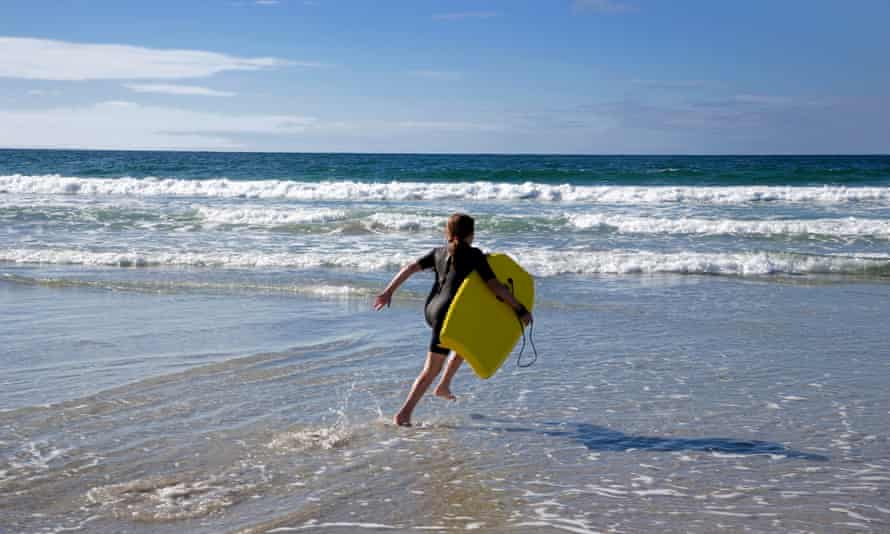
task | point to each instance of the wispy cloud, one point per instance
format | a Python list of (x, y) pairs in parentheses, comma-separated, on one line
[(769, 100), (44, 92), (43, 59), (728, 113), (447, 126), (127, 125), (765, 124), (467, 15), (677, 84), (181, 90), (267, 2), (439, 75), (604, 6)]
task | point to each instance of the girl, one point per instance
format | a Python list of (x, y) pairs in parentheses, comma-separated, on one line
[(452, 264)]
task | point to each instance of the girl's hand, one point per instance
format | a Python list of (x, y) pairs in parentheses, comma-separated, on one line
[(382, 300)]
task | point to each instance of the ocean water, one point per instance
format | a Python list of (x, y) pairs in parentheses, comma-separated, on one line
[(187, 344)]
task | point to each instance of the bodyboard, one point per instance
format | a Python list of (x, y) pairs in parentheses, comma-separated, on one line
[(479, 326)]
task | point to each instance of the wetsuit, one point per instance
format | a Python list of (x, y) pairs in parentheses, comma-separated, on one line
[(450, 273)]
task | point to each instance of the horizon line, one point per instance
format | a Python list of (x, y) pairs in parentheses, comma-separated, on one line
[(371, 153)]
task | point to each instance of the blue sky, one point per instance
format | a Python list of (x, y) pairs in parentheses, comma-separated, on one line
[(501, 76)]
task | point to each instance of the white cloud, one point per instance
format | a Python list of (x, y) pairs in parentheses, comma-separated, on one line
[(267, 2), (466, 15), (603, 6), (127, 125), (43, 59), (169, 89)]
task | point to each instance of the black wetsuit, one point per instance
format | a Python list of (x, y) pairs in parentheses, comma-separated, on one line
[(450, 273)]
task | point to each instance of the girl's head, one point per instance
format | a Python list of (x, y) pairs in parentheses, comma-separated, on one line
[(459, 229)]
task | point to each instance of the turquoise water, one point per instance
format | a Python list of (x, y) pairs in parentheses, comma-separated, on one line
[(186, 344), (578, 170), (557, 215)]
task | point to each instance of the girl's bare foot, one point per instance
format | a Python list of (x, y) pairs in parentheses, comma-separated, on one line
[(445, 393), (401, 420)]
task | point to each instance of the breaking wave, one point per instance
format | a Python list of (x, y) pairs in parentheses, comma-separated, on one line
[(541, 262), (54, 184)]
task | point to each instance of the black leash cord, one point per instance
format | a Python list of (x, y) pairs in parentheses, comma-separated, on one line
[(531, 339), (531, 336)]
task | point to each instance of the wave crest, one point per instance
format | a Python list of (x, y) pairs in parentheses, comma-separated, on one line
[(539, 262), (414, 191)]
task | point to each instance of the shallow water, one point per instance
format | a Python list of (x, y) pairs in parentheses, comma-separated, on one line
[(663, 402), (187, 345)]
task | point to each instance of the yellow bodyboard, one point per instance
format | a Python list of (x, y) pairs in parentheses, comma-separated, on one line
[(481, 328)]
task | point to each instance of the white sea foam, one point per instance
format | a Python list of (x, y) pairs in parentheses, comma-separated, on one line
[(548, 263), (403, 221), (362, 220), (33, 457), (265, 216), (313, 288), (54, 184), (846, 227), (332, 437), (167, 498), (849, 227), (358, 260), (541, 262)]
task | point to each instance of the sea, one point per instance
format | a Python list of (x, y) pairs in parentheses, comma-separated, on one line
[(187, 344)]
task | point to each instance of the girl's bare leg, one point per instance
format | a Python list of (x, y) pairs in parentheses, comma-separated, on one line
[(444, 388), (426, 377)]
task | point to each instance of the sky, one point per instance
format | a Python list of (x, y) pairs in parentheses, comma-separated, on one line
[(448, 76)]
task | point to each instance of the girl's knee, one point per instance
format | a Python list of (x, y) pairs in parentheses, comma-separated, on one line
[(434, 363)]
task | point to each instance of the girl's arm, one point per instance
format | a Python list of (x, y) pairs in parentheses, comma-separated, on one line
[(383, 299), (501, 291)]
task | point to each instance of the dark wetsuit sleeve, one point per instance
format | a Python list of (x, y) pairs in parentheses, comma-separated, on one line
[(428, 261), (482, 266)]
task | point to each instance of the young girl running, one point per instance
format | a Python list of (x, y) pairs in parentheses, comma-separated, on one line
[(452, 264)]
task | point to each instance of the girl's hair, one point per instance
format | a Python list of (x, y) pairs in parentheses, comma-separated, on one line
[(459, 227)]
